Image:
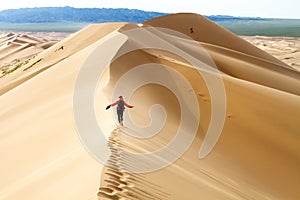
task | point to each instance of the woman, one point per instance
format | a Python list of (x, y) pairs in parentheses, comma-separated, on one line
[(120, 108)]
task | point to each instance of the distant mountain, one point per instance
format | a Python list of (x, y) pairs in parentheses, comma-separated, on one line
[(68, 19), (218, 18), (69, 14), (95, 15)]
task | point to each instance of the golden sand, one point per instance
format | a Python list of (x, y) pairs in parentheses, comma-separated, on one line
[(256, 157)]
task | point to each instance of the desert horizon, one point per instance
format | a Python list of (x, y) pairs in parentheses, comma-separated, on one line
[(215, 116)]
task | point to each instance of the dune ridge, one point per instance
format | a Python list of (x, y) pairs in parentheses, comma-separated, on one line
[(256, 157)]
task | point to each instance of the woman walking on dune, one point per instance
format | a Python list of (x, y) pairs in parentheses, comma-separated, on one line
[(120, 108)]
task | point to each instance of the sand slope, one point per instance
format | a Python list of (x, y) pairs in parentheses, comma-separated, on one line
[(42, 155), (257, 155)]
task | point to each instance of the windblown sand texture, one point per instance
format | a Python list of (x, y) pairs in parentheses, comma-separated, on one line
[(256, 157)]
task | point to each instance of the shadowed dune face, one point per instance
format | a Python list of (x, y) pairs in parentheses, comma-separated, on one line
[(208, 32), (236, 54)]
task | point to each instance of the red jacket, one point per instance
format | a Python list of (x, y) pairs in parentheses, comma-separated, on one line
[(125, 104)]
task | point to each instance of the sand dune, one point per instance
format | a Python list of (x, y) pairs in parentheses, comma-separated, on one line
[(43, 159), (257, 155), (285, 49), (18, 49), (13, 44), (255, 149)]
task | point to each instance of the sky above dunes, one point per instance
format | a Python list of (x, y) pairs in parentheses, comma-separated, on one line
[(249, 8)]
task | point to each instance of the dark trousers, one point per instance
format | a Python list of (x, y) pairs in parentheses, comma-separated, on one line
[(120, 115)]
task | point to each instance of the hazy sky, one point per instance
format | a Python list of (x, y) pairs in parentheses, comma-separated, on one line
[(251, 8)]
